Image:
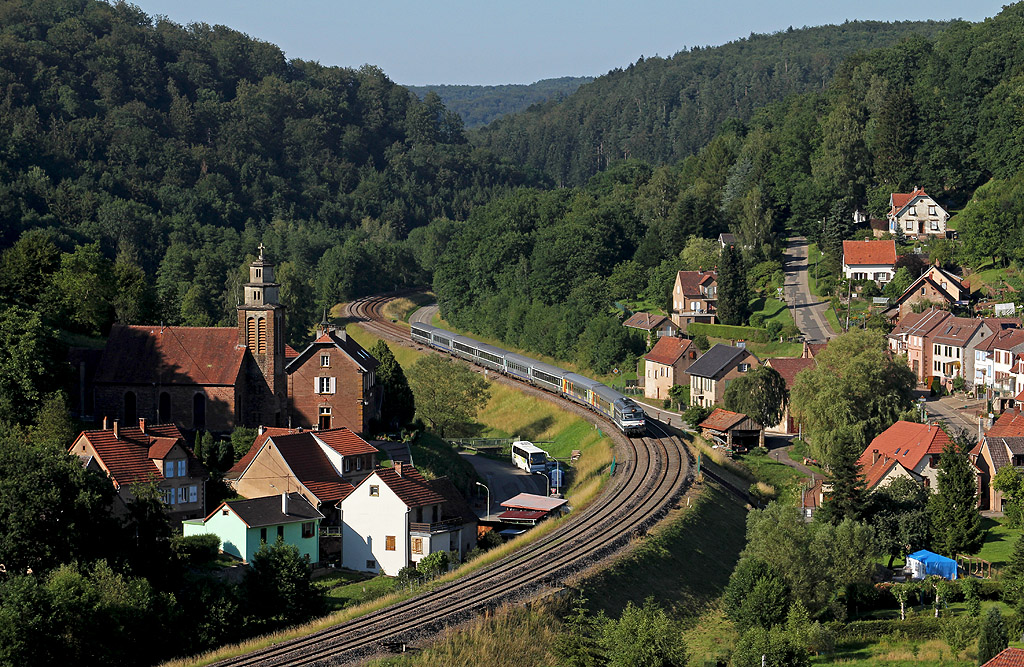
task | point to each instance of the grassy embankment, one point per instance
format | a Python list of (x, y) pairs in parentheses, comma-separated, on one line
[(398, 310), (683, 563)]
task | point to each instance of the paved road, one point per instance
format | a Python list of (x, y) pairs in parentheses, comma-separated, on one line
[(958, 412), (808, 310), (505, 480), (423, 315)]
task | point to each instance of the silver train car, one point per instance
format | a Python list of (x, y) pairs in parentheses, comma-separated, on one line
[(621, 410)]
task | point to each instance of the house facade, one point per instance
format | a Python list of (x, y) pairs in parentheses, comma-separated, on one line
[(935, 286), (711, 373), (916, 215), (869, 260), (665, 366), (996, 366), (245, 525), (910, 337), (655, 326), (142, 453), (1001, 446), (788, 368), (333, 383), (694, 298)]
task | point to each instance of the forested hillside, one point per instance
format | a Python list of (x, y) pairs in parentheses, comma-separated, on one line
[(178, 149), (479, 105), (660, 110), (541, 269)]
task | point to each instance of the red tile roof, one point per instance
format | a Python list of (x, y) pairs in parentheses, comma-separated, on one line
[(691, 281), (722, 420), (257, 444), (1009, 425), (522, 515), (874, 472), (788, 367), (161, 447), (814, 349), (345, 442), (920, 324), (956, 331), (1008, 657), (410, 487), (859, 253), (907, 443), (668, 350), (1003, 339), (290, 352), (901, 199), (330, 491), (127, 457), (311, 466), (644, 321), (171, 355), (812, 496)]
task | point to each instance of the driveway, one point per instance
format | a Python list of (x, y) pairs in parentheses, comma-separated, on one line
[(505, 481), (808, 310)]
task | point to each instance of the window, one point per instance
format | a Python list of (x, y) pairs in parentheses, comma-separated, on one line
[(937, 348), (910, 225), (280, 532), (325, 418), (325, 361), (167, 495), (183, 468), (389, 543), (168, 469), (261, 333), (374, 490), (417, 545), (935, 225), (912, 211), (193, 494), (263, 535), (932, 211), (347, 465), (224, 512), (359, 463), (308, 529), (182, 494), (324, 385), (937, 366), (259, 272), (744, 368), (371, 565)]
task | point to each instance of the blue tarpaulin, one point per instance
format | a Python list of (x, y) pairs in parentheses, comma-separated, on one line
[(925, 562)]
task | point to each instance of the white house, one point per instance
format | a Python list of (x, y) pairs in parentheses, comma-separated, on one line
[(916, 214), (395, 517), (869, 260)]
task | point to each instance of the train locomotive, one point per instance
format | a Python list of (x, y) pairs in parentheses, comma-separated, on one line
[(621, 410)]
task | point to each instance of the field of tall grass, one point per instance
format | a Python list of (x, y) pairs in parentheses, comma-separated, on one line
[(401, 308)]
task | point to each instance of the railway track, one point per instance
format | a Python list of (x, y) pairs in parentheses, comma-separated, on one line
[(655, 471)]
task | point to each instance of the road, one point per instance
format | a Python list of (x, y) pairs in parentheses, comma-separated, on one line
[(808, 310), (957, 411), (504, 480), (423, 315)]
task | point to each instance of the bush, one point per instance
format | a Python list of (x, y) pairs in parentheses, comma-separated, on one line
[(774, 329), (695, 414), (434, 565), (195, 550), (701, 341), (757, 320), (490, 540), (408, 576), (915, 627)]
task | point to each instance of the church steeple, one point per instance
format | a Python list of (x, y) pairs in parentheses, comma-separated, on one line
[(261, 290), (261, 329)]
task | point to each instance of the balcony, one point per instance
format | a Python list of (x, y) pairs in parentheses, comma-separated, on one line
[(437, 527)]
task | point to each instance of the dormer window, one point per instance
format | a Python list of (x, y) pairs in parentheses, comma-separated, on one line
[(168, 469)]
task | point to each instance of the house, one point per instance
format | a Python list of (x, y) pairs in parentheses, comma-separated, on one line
[(811, 350), (916, 215), (953, 343), (209, 378), (332, 383), (934, 286), (813, 496), (393, 518), (869, 260), (732, 429), (788, 368), (725, 240), (1002, 445), (1008, 657), (244, 525), (665, 366), (322, 466), (694, 298), (910, 337), (996, 366), (656, 326), (903, 449), (142, 453), (712, 372)]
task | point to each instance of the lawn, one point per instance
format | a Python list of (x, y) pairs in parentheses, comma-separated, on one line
[(776, 349), (346, 588), (999, 541), (833, 321), (771, 309), (768, 470)]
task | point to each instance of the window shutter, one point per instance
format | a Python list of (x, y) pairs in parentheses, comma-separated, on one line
[(316, 385), (333, 381), (182, 468), (193, 494)]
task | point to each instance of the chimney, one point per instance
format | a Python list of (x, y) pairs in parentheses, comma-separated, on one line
[(142, 424), (874, 457), (116, 433), (398, 468), (284, 503), (259, 430), (106, 422)]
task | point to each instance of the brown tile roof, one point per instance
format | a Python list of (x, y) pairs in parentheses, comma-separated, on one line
[(920, 324), (857, 253), (667, 350), (1009, 425), (1004, 339), (171, 355), (874, 472), (345, 442), (644, 321), (788, 367), (257, 444), (722, 420), (907, 443), (813, 349), (161, 447), (901, 199), (691, 281), (1008, 657), (812, 496), (329, 491), (127, 457), (916, 285), (311, 466), (955, 331), (410, 487), (290, 352)]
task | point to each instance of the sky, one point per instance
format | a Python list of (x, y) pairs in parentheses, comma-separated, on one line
[(488, 42)]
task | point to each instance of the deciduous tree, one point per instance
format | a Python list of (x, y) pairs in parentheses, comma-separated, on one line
[(447, 393), (761, 394)]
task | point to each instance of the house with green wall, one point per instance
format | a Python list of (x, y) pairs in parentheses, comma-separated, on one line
[(243, 525)]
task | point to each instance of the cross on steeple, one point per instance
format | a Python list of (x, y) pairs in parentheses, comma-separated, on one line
[(261, 249)]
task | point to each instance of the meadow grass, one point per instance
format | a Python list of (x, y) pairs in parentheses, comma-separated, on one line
[(345, 588), (999, 541), (398, 310), (771, 309), (776, 349)]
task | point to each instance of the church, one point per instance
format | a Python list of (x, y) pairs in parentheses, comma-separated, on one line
[(217, 378)]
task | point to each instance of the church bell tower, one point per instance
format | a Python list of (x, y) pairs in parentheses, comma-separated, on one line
[(261, 329)]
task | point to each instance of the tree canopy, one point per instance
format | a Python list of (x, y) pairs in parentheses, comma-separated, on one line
[(761, 394), (448, 394)]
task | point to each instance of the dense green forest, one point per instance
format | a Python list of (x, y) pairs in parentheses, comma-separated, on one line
[(479, 105), (177, 149), (540, 268), (661, 110)]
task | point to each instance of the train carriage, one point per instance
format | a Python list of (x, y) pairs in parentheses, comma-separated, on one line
[(464, 347), (546, 376), (422, 333), (491, 357), (579, 388), (518, 366)]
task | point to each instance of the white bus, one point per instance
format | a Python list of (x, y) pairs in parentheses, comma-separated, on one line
[(528, 457)]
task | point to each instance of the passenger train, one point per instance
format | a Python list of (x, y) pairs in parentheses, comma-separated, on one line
[(623, 411)]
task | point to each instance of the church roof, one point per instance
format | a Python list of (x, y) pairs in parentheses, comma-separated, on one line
[(156, 355)]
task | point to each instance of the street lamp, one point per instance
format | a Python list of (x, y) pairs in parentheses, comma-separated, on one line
[(487, 518), (547, 482)]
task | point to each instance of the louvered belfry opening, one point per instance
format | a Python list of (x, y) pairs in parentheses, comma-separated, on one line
[(250, 335), (261, 335)]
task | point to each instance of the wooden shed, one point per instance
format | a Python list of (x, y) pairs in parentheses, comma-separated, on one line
[(732, 429)]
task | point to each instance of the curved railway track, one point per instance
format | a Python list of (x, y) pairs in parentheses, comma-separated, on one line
[(655, 471)]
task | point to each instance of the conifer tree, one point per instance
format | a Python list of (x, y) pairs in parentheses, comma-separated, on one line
[(847, 498), (956, 524), (994, 637), (733, 297), (399, 405)]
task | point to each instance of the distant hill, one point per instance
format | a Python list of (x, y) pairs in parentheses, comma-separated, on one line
[(479, 105), (661, 110)]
